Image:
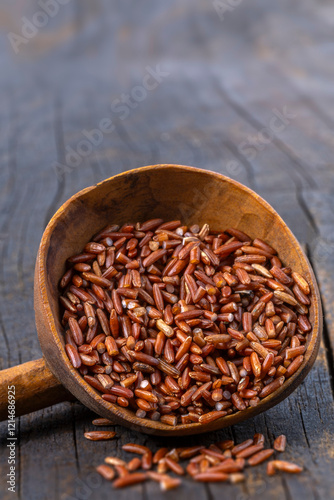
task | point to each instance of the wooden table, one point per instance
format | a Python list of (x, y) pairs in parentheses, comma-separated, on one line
[(247, 92)]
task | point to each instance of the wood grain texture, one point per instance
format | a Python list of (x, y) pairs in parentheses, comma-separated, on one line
[(35, 388), (225, 78)]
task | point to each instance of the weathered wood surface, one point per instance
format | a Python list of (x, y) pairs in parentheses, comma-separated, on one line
[(227, 80)]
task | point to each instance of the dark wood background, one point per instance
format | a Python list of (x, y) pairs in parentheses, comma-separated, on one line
[(229, 75)]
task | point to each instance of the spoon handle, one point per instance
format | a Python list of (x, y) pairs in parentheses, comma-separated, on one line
[(32, 386)]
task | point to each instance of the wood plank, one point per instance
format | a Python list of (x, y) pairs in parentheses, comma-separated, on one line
[(225, 79)]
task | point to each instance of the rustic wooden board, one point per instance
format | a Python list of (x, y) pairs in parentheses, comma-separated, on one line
[(226, 80)]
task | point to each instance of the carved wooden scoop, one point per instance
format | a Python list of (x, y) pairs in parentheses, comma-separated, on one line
[(166, 191)]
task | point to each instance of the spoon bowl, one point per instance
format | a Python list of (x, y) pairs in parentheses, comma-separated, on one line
[(170, 192)]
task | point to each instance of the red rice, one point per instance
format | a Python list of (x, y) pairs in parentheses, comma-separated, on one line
[(206, 319)]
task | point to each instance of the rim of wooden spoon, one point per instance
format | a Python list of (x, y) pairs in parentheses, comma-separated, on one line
[(125, 416)]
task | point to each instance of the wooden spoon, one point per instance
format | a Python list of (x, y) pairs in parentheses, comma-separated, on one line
[(170, 192)]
